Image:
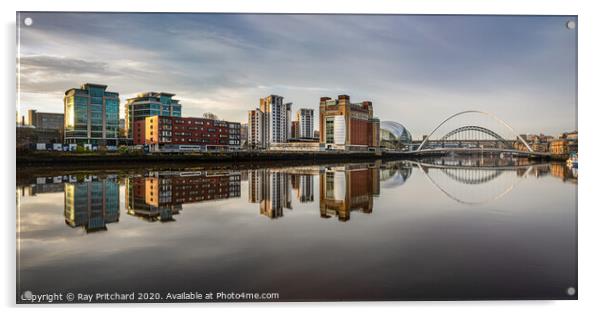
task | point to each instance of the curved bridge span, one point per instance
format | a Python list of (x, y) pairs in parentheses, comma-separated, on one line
[(469, 134), (501, 168), (473, 128), (471, 176), (445, 150)]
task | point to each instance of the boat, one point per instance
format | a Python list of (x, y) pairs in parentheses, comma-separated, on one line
[(572, 162)]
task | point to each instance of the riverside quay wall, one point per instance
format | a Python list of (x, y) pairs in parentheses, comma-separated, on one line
[(58, 158), (127, 160)]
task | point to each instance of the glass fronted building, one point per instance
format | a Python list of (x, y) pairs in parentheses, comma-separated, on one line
[(150, 104), (92, 204), (394, 136), (91, 115)]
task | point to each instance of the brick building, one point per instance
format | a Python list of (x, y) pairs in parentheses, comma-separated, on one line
[(149, 104), (168, 132), (295, 130), (159, 196), (348, 126), (349, 188)]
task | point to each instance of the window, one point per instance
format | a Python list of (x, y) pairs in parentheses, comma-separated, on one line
[(330, 130)]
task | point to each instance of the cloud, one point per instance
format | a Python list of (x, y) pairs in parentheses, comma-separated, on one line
[(63, 65), (408, 65), (50, 74)]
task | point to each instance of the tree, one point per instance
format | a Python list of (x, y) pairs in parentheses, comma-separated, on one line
[(211, 116)]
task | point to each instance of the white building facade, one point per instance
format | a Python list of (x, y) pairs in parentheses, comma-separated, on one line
[(277, 117), (305, 117)]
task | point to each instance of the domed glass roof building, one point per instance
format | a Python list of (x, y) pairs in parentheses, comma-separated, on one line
[(394, 135)]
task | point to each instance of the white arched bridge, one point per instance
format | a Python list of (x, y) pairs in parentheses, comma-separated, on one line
[(469, 139), (475, 184)]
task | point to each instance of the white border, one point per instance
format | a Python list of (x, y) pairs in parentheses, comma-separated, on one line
[(590, 218)]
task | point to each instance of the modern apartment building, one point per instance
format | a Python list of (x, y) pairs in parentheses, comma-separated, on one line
[(91, 115), (305, 117), (348, 126), (288, 110), (255, 133), (235, 140), (169, 132), (277, 118), (150, 104)]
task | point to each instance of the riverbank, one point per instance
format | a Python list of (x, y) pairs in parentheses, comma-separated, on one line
[(241, 159), (36, 159), (47, 162), (60, 163), (61, 158)]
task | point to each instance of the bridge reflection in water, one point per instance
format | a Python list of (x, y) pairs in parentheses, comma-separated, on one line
[(443, 228), (92, 202), (474, 181)]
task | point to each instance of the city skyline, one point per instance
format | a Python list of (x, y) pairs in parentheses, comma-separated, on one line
[(518, 67)]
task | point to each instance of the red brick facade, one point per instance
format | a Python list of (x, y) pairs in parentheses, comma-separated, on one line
[(358, 132), (362, 129), (162, 130), (138, 132)]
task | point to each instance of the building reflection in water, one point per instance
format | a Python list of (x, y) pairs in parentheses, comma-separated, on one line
[(343, 189), (144, 199), (563, 172), (521, 165), (395, 174), (303, 184), (272, 190), (92, 203), (42, 185), (555, 169), (348, 188), (160, 195)]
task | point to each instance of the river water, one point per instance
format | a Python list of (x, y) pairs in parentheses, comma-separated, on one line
[(444, 228)]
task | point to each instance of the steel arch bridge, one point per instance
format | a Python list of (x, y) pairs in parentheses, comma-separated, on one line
[(478, 130), (471, 128), (471, 176)]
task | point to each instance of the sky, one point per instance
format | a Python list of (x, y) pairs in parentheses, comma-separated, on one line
[(417, 70)]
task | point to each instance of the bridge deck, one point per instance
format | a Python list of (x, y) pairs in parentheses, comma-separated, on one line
[(478, 150)]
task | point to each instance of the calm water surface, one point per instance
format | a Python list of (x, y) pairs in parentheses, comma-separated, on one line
[(437, 229)]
